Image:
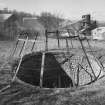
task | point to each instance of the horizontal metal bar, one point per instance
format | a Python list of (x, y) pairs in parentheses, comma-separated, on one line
[(31, 40)]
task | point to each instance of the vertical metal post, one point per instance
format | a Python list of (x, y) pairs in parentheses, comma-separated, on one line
[(67, 46), (34, 42), (46, 45), (70, 39), (42, 69), (57, 34)]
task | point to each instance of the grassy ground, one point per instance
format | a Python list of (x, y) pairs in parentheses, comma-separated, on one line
[(21, 94)]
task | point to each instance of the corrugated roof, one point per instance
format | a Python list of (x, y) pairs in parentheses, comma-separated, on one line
[(70, 25)]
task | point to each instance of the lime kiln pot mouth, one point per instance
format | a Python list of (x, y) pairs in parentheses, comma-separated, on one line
[(53, 74)]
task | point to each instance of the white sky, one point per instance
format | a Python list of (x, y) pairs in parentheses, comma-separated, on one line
[(72, 9)]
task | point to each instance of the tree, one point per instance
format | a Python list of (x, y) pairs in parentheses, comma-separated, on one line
[(50, 21)]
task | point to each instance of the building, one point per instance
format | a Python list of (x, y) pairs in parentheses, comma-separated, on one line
[(98, 33)]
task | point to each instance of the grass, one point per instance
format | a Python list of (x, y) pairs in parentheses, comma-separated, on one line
[(21, 94)]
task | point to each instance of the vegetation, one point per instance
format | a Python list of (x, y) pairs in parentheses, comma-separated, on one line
[(50, 21), (21, 94), (10, 27)]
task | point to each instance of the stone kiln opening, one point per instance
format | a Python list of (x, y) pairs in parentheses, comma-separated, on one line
[(53, 75)]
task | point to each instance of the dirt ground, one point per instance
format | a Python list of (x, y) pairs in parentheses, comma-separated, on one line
[(21, 94)]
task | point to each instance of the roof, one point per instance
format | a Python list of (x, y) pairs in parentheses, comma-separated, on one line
[(4, 17), (70, 25)]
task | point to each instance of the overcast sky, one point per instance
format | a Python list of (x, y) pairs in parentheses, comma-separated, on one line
[(72, 9)]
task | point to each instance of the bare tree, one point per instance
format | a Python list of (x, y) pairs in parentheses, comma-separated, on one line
[(50, 21)]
